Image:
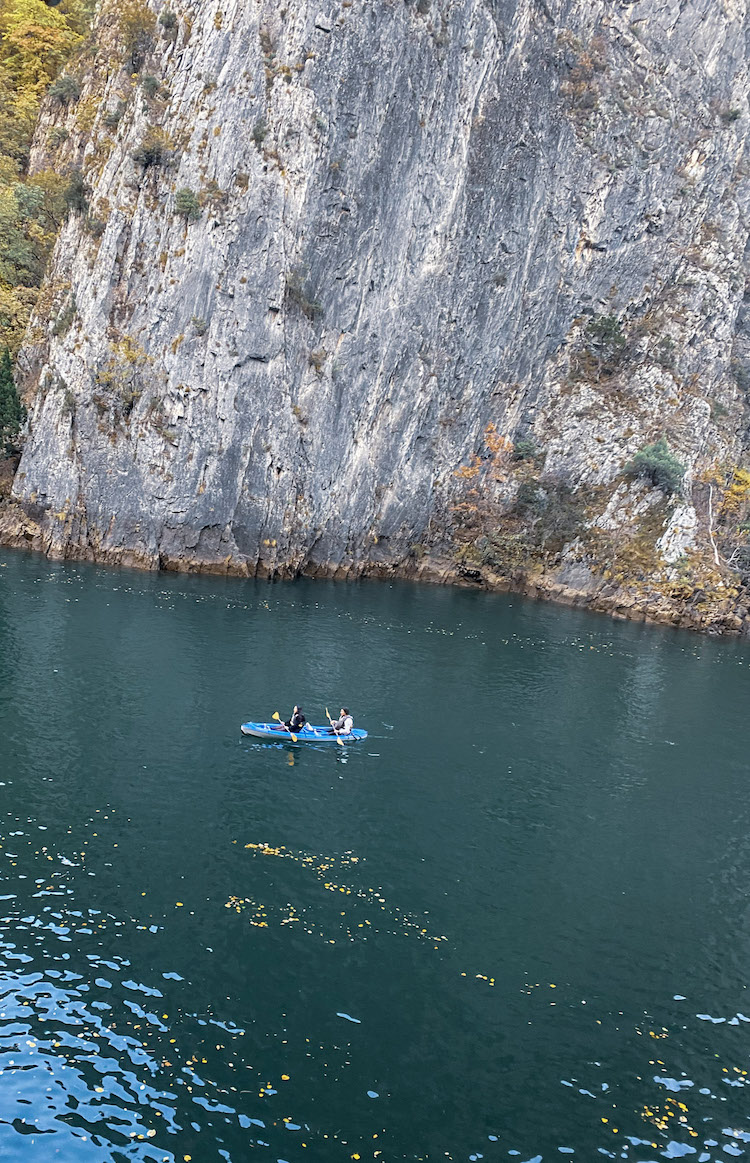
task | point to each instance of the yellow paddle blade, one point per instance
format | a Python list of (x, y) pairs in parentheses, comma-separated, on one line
[(328, 714), (340, 741), (276, 715), (294, 737)]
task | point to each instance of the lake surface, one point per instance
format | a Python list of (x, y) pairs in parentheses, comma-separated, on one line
[(513, 923)]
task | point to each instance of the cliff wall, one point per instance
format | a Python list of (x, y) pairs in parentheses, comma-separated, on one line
[(446, 269)]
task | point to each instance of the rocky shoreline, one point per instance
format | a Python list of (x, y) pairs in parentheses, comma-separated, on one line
[(572, 584)]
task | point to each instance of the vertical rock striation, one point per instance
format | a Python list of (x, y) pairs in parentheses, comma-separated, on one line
[(451, 265)]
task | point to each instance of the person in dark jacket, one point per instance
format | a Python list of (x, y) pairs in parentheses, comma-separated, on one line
[(297, 720), (343, 725)]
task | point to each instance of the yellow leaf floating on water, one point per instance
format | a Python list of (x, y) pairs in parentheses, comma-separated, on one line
[(285, 1078), (179, 905)]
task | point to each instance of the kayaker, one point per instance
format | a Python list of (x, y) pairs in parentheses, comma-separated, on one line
[(343, 725), (297, 720)]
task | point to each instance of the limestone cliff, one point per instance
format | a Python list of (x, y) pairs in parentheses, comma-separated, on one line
[(377, 285)]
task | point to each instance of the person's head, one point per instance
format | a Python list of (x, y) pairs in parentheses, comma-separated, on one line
[(297, 710), (344, 710)]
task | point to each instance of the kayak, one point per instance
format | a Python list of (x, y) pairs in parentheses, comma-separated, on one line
[(308, 733)]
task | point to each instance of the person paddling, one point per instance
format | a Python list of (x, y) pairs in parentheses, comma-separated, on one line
[(296, 721), (343, 725)]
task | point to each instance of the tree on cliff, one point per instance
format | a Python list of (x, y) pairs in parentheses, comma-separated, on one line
[(12, 411), (657, 464)]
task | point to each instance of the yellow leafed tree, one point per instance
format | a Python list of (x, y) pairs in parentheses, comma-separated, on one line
[(37, 40)]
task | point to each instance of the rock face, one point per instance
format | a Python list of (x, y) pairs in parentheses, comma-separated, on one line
[(456, 263)]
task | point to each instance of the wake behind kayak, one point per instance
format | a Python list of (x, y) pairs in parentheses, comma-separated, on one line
[(307, 734)]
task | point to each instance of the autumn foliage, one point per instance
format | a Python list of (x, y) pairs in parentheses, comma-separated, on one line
[(37, 40)]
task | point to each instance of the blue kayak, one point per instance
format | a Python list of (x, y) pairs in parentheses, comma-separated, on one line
[(308, 734)]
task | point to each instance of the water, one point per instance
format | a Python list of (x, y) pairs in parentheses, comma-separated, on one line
[(512, 924)]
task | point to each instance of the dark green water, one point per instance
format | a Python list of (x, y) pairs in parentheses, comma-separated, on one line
[(529, 886)]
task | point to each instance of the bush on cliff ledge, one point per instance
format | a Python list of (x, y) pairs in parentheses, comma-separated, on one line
[(65, 89), (156, 148), (186, 204), (657, 464)]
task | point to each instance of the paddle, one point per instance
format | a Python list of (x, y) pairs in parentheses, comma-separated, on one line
[(330, 720), (277, 716)]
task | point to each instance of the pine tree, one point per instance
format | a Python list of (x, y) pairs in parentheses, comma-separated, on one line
[(12, 411)]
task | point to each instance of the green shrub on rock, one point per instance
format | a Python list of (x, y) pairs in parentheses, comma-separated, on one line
[(150, 85), (77, 193), (605, 344), (65, 89), (156, 148), (657, 464), (168, 19), (524, 449), (187, 205), (531, 496), (56, 136), (94, 226)]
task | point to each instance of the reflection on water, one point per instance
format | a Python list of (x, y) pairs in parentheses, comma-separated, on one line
[(512, 925)]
